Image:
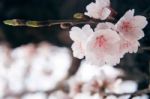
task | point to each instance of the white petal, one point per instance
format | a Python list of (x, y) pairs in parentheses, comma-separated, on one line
[(87, 31), (78, 50), (98, 10), (75, 33), (105, 13)]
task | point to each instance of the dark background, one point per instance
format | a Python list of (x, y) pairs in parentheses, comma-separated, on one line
[(64, 9)]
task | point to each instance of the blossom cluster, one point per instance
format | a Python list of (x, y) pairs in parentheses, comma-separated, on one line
[(93, 82), (108, 42), (32, 69)]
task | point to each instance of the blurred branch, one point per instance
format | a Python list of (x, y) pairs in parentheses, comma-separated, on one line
[(74, 67), (145, 48), (78, 18)]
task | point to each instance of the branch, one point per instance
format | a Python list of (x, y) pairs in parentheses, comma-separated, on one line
[(48, 23)]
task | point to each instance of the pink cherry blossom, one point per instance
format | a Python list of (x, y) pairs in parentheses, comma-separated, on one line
[(126, 46), (102, 47), (99, 9), (80, 36), (130, 26)]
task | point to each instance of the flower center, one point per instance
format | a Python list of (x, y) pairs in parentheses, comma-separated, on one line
[(126, 26), (100, 41)]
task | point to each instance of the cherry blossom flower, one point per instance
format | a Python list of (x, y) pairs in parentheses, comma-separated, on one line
[(80, 36), (102, 48), (130, 26), (99, 9), (91, 78), (103, 80)]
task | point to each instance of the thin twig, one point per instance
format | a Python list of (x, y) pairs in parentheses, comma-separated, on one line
[(48, 23)]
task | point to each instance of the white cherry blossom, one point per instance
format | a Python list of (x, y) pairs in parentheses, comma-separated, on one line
[(80, 36), (99, 9)]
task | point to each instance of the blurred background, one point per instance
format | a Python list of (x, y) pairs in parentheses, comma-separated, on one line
[(18, 44)]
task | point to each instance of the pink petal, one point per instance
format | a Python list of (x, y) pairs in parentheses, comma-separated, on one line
[(139, 22), (129, 14), (106, 25), (103, 3)]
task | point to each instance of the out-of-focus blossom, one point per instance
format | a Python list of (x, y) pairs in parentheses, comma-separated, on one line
[(3, 86), (11, 97), (127, 97), (121, 97), (87, 72), (48, 67), (87, 96), (35, 96), (25, 52), (92, 79), (141, 97), (59, 95), (74, 85), (127, 86), (102, 48), (31, 68), (99, 9), (80, 36), (121, 87), (101, 80), (130, 26)]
